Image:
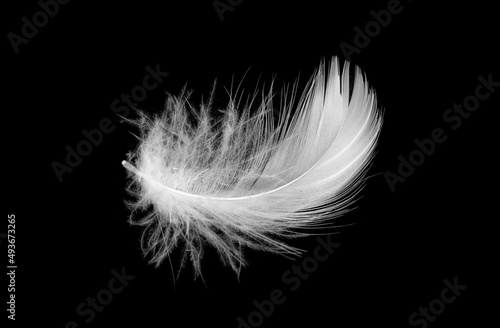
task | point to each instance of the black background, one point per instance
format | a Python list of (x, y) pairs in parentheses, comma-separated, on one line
[(436, 225)]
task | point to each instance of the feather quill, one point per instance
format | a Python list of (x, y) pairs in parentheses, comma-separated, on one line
[(245, 180)]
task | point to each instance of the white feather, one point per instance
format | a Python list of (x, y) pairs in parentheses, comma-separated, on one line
[(245, 181)]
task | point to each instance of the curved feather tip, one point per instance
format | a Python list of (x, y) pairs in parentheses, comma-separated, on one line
[(247, 180)]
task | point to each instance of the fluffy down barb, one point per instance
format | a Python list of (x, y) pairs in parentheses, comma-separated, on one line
[(247, 180)]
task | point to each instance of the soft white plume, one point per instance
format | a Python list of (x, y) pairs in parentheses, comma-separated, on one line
[(246, 180)]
